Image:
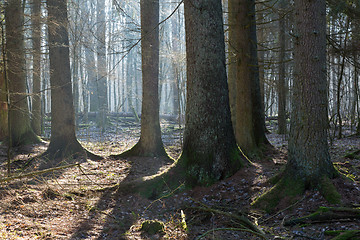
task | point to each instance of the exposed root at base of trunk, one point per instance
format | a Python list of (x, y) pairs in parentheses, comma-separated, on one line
[(138, 150), (289, 189)]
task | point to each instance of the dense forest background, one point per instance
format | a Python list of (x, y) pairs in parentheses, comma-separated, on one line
[(201, 119), (110, 37)]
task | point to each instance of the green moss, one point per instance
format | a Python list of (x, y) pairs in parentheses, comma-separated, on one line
[(185, 173), (348, 235), (163, 184), (237, 159), (329, 191), (152, 227), (276, 178), (353, 155), (287, 189), (199, 167), (333, 232)]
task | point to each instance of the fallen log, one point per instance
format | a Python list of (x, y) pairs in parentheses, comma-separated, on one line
[(326, 214)]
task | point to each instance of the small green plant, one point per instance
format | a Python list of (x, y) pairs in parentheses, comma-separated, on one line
[(152, 227)]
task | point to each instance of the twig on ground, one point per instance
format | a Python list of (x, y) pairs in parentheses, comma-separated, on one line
[(231, 229), (283, 210)]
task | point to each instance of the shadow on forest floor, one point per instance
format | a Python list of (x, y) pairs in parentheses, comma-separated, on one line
[(68, 205)]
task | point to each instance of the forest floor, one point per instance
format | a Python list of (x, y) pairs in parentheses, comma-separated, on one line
[(73, 203)]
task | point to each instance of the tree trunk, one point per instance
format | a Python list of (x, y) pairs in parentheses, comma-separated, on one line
[(150, 143), (21, 131), (309, 164), (101, 65), (63, 141), (308, 147), (209, 152), (36, 99), (282, 78), (250, 127), (3, 106), (175, 65)]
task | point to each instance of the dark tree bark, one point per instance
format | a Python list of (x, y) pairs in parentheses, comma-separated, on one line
[(210, 152), (308, 147), (21, 131), (63, 141), (36, 99), (309, 164), (150, 143), (250, 119)]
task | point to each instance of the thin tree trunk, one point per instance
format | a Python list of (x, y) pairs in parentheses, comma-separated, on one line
[(339, 83), (36, 99), (150, 143), (101, 65), (282, 77)]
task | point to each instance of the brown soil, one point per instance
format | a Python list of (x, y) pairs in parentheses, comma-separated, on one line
[(72, 203)]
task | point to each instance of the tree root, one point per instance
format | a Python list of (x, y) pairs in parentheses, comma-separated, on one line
[(286, 189), (289, 189), (344, 235), (242, 220), (231, 229), (326, 214)]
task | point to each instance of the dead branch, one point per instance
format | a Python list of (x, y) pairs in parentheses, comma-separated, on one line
[(31, 174)]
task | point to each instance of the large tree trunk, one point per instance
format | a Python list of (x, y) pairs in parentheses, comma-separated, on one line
[(250, 127), (63, 141), (210, 152), (36, 99), (150, 143), (309, 157), (21, 131), (309, 164)]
